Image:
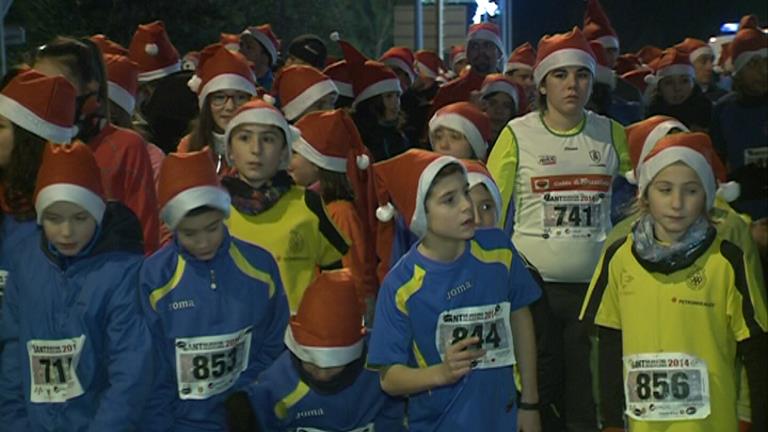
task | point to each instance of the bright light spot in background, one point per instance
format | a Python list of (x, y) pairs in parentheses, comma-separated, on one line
[(484, 7), (729, 27)]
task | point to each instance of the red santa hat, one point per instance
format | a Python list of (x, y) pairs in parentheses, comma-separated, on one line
[(458, 53), (263, 34), (230, 41), (477, 174), (327, 330), (190, 60), (725, 61), (749, 43), (626, 63), (523, 57), (649, 53), (43, 105), (643, 136), (597, 26), (187, 181), (695, 48), (154, 53), (603, 73), (468, 119), (107, 46), (400, 58), (223, 70), (369, 78), (122, 81), (428, 64), (637, 79), (561, 50), (69, 173), (501, 83), (748, 21), (486, 31), (258, 111), (299, 86), (338, 72), (402, 182), (692, 148), (672, 62)]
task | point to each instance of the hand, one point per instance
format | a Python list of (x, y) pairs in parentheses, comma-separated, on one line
[(458, 360), (528, 421)]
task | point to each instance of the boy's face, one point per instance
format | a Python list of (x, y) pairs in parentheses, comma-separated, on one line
[(201, 234), (450, 213), (319, 373), (451, 142), (68, 227), (484, 205), (257, 151)]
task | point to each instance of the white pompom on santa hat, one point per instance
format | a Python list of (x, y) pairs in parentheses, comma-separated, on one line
[(327, 329)]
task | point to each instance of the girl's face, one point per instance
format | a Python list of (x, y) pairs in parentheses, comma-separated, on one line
[(567, 89), (500, 107), (391, 106), (675, 89), (325, 103), (451, 142), (676, 199), (257, 152), (485, 206), (6, 141), (303, 172), (68, 227), (223, 105)]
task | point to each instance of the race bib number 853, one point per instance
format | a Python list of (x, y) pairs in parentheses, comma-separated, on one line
[(666, 386)]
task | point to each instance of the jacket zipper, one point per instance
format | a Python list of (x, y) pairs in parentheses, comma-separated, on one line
[(213, 279)]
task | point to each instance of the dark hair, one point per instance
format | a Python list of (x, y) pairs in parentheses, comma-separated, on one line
[(118, 116), (10, 75), (201, 128), (369, 110), (335, 186), (20, 176), (448, 170)]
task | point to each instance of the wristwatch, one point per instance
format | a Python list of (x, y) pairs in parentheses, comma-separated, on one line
[(529, 406)]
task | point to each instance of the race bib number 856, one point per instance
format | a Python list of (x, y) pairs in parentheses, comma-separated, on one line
[(666, 386)]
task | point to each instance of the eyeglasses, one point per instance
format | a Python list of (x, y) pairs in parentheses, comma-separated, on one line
[(220, 99)]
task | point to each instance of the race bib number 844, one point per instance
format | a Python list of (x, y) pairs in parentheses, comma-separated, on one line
[(489, 323)]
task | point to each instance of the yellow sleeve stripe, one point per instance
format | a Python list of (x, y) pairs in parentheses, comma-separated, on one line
[(282, 407), (501, 256), (409, 288), (503, 166), (419, 357), (161, 292), (250, 270), (619, 140)]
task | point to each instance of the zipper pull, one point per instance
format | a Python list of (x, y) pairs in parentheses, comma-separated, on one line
[(213, 280)]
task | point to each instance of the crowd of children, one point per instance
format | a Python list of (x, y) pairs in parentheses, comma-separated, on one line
[(572, 240)]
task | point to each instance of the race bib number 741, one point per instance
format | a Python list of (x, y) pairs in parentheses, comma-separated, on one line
[(666, 387)]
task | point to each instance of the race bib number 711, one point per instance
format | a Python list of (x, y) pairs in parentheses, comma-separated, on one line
[(53, 369)]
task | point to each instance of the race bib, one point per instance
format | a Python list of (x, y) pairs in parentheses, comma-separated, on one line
[(666, 387), (53, 369), (490, 323), (366, 428), (209, 365), (573, 206), (756, 156)]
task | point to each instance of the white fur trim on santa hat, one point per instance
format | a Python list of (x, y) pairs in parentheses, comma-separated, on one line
[(608, 41), (458, 57), (476, 178), (517, 65), (265, 41), (396, 62), (424, 70), (658, 132), (324, 357), (698, 52), (675, 69), (687, 155), (300, 103), (67, 192), (26, 119), (605, 75), (484, 34), (226, 82), (744, 58), (345, 89), (502, 86), (562, 58), (463, 125), (121, 97), (418, 223), (381, 87), (159, 73), (330, 163), (263, 116), (177, 207)]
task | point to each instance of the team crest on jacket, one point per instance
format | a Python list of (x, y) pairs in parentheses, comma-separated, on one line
[(595, 156), (295, 243), (696, 280)]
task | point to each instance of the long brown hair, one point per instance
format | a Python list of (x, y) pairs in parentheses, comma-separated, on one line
[(335, 186), (18, 178), (201, 128)]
